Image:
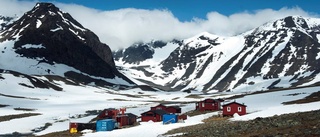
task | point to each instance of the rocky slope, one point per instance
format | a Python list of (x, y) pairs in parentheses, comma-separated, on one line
[(279, 54), (48, 41), (295, 124)]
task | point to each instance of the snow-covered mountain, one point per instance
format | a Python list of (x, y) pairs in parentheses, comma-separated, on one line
[(48, 41), (53, 71), (279, 54)]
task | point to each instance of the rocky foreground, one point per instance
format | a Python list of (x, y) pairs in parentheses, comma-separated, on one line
[(303, 124)]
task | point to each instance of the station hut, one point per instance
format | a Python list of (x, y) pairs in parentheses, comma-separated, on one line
[(153, 115), (231, 108), (209, 105)]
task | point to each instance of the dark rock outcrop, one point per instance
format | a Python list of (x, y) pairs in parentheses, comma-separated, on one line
[(62, 40)]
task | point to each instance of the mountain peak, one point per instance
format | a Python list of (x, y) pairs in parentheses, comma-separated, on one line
[(295, 21), (42, 8), (44, 4), (50, 36), (45, 17)]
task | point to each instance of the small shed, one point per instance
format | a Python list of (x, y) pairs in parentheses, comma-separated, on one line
[(159, 107), (170, 118), (105, 125), (126, 119), (231, 108), (153, 115), (73, 127), (209, 105), (173, 109)]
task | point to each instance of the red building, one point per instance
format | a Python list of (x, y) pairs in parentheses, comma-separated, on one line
[(231, 108), (153, 115), (169, 109), (109, 113), (126, 119), (173, 109), (209, 105), (159, 107)]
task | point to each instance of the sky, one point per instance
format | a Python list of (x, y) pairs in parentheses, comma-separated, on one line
[(186, 10), (120, 23)]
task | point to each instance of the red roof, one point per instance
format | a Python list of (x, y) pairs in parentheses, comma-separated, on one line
[(234, 103)]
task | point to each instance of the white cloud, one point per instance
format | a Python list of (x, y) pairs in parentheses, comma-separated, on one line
[(120, 28), (15, 7)]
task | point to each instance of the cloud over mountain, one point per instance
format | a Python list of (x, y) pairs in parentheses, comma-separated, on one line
[(122, 27)]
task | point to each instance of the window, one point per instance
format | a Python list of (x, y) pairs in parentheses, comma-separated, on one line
[(159, 108), (228, 109), (202, 104), (239, 109)]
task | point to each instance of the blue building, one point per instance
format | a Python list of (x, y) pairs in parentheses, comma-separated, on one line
[(105, 125), (170, 118)]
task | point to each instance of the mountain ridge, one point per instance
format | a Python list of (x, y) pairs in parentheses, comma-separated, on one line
[(204, 63)]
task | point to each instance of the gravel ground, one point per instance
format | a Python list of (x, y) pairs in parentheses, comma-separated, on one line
[(303, 124)]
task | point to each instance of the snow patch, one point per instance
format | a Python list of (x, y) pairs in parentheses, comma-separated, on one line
[(38, 23), (27, 46), (77, 34), (57, 29)]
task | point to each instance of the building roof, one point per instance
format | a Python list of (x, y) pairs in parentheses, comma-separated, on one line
[(220, 99), (158, 111), (105, 110), (109, 109), (130, 115), (213, 100), (234, 103), (176, 107)]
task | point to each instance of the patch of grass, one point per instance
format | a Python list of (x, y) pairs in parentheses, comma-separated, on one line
[(127, 95), (11, 96), (16, 116), (293, 124), (311, 98), (24, 109), (118, 99), (196, 112), (294, 94), (175, 98), (28, 86), (215, 118), (194, 96), (65, 133), (42, 128), (270, 90), (2, 105)]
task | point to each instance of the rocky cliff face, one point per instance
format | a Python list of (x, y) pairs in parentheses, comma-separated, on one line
[(51, 36)]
